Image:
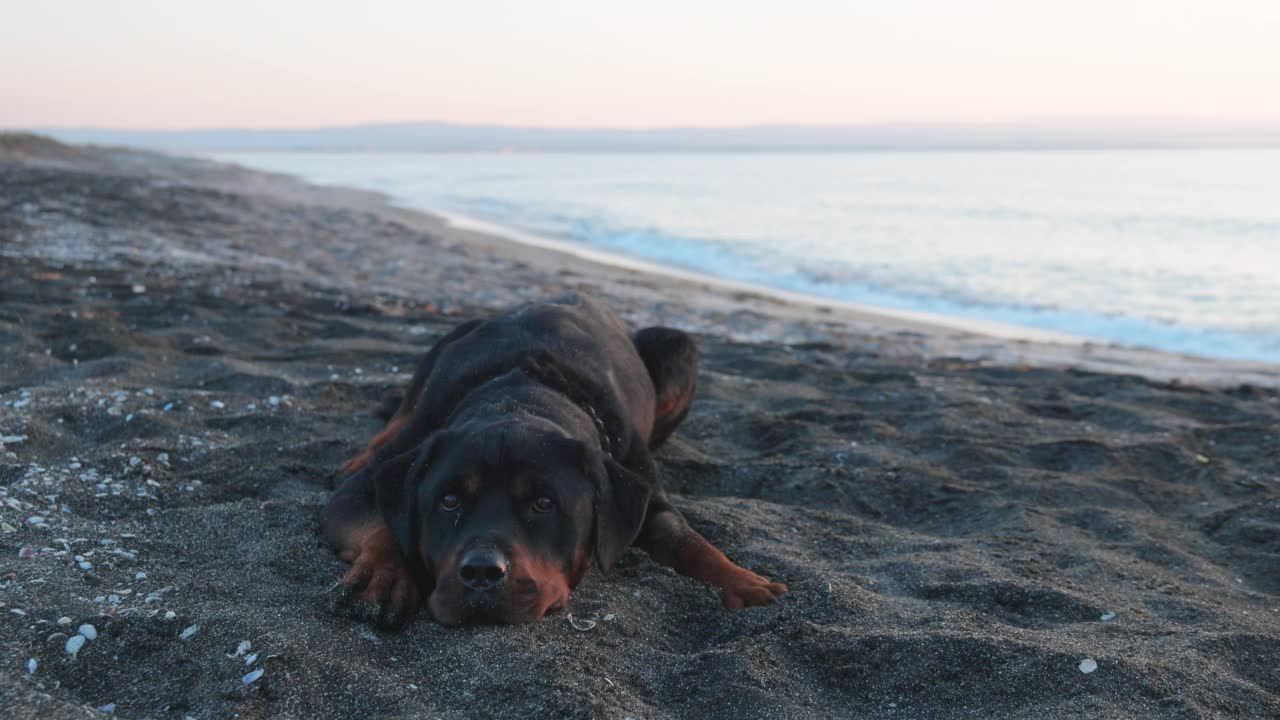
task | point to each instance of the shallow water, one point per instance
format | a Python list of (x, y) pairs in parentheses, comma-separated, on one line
[(1177, 250)]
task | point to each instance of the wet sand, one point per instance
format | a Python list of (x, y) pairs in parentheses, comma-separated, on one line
[(189, 350)]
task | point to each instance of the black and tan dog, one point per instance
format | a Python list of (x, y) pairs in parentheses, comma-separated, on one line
[(520, 454)]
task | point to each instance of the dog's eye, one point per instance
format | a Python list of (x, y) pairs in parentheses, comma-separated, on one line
[(543, 504), (449, 503)]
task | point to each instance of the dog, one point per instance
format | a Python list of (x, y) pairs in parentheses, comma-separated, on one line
[(519, 457)]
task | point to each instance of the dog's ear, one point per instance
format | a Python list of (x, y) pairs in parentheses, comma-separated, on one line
[(396, 494), (621, 503)]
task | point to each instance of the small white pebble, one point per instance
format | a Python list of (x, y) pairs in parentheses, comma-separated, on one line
[(140, 576), (64, 620), (609, 617), (74, 643), (85, 565), (32, 664), (35, 520), (242, 648), (139, 288), (1088, 665), (583, 625), (13, 439), (109, 708), (1107, 617), (217, 404), (189, 632), (170, 615), (89, 631), (251, 658), (167, 407), (274, 400), (252, 677)]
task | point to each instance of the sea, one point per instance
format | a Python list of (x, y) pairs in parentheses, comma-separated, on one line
[(1177, 250)]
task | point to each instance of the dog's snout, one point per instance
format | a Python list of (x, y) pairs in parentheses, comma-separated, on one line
[(483, 568)]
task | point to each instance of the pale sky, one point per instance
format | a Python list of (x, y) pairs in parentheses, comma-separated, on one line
[(596, 63)]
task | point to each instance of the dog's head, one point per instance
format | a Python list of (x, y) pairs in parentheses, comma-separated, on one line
[(502, 520)]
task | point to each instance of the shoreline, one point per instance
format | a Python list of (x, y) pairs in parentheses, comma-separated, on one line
[(929, 335), (604, 257), (1148, 295)]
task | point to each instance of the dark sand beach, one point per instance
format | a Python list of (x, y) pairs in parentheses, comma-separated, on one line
[(189, 350)]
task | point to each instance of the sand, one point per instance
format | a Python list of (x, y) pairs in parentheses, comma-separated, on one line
[(188, 351)]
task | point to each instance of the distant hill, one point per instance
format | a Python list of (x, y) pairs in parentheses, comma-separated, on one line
[(20, 146), (436, 136)]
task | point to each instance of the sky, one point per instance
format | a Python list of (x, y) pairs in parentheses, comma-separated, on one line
[(587, 63)]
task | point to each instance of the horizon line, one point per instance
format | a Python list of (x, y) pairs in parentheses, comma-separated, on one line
[(1096, 123)]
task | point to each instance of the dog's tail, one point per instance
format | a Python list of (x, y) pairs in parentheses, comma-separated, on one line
[(671, 358)]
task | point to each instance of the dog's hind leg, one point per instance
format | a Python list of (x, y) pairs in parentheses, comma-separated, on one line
[(671, 358)]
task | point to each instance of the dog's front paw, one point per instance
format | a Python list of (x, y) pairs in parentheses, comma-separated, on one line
[(378, 589), (746, 589)]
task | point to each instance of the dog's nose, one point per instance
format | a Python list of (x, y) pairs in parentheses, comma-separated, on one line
[(483, 569)]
